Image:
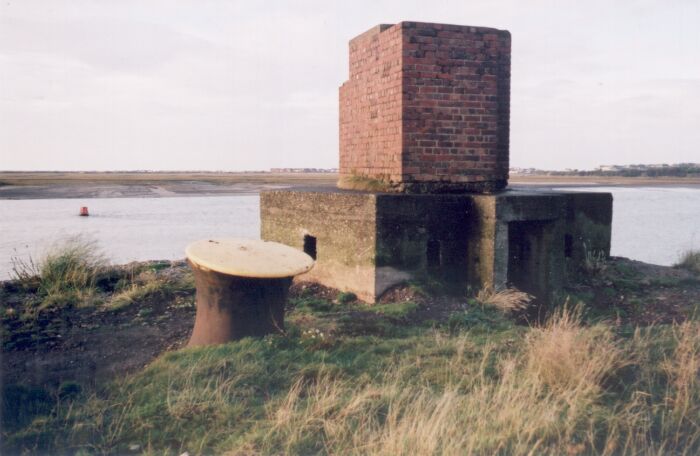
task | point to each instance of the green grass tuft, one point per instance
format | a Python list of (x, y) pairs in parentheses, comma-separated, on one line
[(145, 285), (395, 310), (71, 266), (311, 304), (346, 297), (65, 275)]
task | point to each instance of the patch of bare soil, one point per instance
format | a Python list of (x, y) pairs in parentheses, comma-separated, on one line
[(89, 345), (310, 289), (639, 293), (437, 308)]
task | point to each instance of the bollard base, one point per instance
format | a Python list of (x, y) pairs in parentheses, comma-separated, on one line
[(231, 307)]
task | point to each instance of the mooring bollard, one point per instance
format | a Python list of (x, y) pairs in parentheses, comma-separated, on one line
[(242, 287)]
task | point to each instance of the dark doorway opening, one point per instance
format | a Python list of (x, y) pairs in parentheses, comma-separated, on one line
[(568, 245), (527, 259), (432, 254), (310, 246), (446, 259)]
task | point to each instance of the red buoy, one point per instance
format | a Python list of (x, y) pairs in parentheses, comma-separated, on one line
[(84, 211)]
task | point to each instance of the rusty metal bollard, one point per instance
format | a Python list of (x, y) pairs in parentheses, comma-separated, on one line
[(242, 287)]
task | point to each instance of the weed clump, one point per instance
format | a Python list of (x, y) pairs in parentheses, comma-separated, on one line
[(595, 262), (690, 261), (507, 301), (65, 275), (311, 305), (145, 285), (395, 309), (346, 297)]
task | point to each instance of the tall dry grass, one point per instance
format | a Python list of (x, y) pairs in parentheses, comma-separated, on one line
[(564, 392), (510, 300), (562, 388), (595, 262)]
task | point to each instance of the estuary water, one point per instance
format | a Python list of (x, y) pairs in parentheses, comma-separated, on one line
[(126, 229), (651, 224)]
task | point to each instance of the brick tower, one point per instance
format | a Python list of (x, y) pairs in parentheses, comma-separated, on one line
[(426, 109)]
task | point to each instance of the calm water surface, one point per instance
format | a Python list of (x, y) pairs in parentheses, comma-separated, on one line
[(652, 224), (126, 229)]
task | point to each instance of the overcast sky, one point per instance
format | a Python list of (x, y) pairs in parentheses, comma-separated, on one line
[(243, 85)]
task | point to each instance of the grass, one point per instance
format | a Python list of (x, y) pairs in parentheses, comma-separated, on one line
[(488, 388), (690, 261), (350, 379), (144, 285), (594, 262), (311, 305), (74, 272), (346, 297), (66, 275), (364, 183), (507, 301), (394, 309), (137, 292)]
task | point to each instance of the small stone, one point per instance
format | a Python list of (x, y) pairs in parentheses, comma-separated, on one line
[(186, 453), (134, 447)]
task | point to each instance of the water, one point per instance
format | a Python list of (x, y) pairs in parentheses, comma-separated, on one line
[(126, 229), (651, 224)]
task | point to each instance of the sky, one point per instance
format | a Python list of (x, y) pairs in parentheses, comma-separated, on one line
[(249, 85)]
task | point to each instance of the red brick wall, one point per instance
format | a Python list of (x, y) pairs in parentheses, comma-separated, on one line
[(456, 105), (370, 106), (447, 129)]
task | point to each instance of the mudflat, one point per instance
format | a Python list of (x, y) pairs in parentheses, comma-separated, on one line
[(46, 185), (602, 181)]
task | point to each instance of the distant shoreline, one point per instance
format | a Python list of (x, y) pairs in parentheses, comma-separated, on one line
[(46, 185), (52, 185), (603, 181)]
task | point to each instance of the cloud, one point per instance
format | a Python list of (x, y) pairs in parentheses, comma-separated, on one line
[(249, 85)]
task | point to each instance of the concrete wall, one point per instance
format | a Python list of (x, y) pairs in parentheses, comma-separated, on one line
[(344, 227), (369, 242), (588, 228), (424, 236)]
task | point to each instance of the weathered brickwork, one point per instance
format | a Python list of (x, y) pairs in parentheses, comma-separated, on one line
[(426, 109), (370, 106)]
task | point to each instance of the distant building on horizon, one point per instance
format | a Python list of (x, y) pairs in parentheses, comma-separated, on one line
[(303, 170)]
